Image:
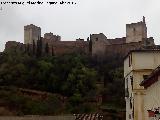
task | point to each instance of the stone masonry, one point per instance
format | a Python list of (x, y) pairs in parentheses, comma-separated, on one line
[(136, 38)]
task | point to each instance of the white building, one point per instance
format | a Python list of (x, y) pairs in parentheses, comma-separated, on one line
[(152, 95), (138, 64)]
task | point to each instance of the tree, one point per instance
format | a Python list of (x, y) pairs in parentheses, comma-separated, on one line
[(34, 48), (28, 48), (80, 80), (53, 51), (39, 47), (46, 49), (90, 46)]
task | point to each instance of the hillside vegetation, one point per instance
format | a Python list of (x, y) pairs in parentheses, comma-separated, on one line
[(73, 76)]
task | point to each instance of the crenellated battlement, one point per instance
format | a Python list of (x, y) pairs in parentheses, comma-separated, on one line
[(96, 44), (31, 26)]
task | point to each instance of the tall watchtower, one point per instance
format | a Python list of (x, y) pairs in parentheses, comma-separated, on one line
[(99, 42), (136, 32), (31, 32)]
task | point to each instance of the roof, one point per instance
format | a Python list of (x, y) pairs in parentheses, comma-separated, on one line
[(152, 78), (141, 50)]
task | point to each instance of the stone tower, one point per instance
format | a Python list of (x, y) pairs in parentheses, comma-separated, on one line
[(31, 32), (52, 37), (136, 32), (99, 42)]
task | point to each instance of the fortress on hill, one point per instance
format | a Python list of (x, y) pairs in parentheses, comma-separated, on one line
[(97, 45)]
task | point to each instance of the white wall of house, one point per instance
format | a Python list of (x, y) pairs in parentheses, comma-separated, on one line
[(152, 98), (136, 65)]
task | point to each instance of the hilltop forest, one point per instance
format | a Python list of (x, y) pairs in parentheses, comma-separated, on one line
[(78, 78)]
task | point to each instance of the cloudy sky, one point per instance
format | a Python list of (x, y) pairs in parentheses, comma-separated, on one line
[(79, 20)]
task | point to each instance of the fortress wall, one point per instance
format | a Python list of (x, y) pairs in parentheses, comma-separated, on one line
[(67, 47), (59, 48), (13, 45), (122, 49), (117, 40)]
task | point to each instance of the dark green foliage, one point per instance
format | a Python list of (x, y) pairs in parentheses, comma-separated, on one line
[(34, 47), (46, 49), (53, 74), (90, 45), (39, 47), (53, 51), (26, 106), (28, 49), (74, 76)]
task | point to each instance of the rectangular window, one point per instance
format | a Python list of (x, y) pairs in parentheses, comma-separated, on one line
[(130, 60), (127, 83), (145, 77), (130, 117), (131, 77)]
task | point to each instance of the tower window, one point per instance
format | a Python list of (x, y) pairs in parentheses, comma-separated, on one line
[(134, 29)]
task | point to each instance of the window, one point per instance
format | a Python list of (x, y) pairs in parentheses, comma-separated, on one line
[(130, 60), (96, 39), (127, 83), (145, 77), (130, 116), (131, 77), (134, 29), (130, 103), (126, 89)]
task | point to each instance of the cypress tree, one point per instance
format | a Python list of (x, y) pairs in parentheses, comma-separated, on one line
[(53, 51), (46, 49), (28, 48), (90, 46), (34, 47), (39, 47)]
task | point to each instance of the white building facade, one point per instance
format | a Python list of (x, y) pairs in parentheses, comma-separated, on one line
[(138, 64), (152, 95)]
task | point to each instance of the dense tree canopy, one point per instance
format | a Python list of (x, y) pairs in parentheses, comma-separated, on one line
[(74, 76)]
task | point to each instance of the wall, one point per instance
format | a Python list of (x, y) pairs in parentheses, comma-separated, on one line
[(38, 118), (122, 49), (13, 46), (117, 40), (52, 37), (59, 47), (146, 60), (66, 47), (31, 32), (99, 41), (128, 98), (142, 62), (152, 97), (135, 32)]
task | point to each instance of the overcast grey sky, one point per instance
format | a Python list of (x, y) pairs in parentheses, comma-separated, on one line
[(79, 20)]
